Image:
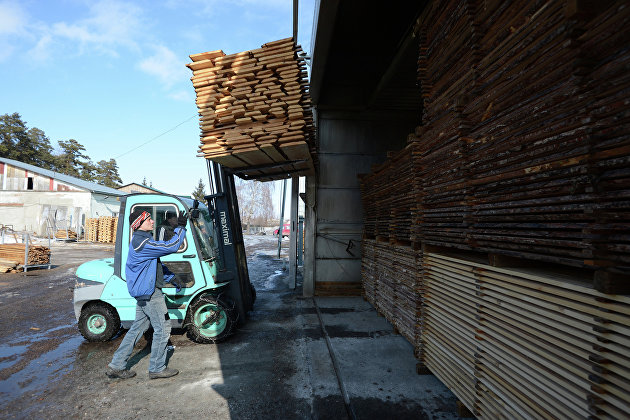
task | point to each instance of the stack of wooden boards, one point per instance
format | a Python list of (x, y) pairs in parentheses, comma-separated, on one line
[(255, 110), (518, 343), (523, 152), (101, 229), (12, 256), (66, 234), (392, 282)]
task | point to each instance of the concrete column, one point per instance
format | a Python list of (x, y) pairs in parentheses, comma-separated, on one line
[(293, 237), (310, 217)]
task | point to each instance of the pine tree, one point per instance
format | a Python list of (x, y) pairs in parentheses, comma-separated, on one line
[(27, 146), (71, 161), (12, 132), (32, 146), (107, 173), (200, 192), (44, 157)]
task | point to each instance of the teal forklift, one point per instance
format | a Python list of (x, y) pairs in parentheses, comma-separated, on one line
[(210, 264)]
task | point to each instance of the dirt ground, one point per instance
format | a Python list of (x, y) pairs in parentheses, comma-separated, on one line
[(276, 365), (46, 367)]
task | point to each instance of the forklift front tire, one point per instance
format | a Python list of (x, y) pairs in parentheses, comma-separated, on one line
[(211, 319), (98, 322)]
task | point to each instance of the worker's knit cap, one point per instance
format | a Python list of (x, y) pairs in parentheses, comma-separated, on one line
[(137, 217)]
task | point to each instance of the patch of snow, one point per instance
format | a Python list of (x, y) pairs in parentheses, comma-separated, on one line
[(272, 281)]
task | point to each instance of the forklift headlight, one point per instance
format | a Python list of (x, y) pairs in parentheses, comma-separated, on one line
[(79, 283)]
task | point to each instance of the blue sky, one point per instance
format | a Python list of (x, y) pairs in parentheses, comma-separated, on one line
[(111, 74)]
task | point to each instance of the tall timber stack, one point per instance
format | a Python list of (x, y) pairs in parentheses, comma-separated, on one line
[(255, 110), (391, 265), (520, 174)]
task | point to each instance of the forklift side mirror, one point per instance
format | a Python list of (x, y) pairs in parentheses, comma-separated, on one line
[(194, 213)]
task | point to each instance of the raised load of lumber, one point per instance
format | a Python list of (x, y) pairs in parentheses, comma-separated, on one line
[(254, 109)]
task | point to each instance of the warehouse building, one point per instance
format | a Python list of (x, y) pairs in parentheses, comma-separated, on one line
[(41, 201), (478, 153)]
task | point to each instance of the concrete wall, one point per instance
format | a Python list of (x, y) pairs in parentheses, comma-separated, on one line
[(349, 145), (104, 205), (28, 210)]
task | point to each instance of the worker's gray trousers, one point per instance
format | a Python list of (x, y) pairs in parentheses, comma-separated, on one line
[(148, 313)]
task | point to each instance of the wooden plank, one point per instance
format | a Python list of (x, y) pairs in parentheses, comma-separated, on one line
[(206, 55), (253, 156), (272, 152), (295, 151), (228, 160)]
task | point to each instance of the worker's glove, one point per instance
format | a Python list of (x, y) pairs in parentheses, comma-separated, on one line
[(182, 219), (179, 285)]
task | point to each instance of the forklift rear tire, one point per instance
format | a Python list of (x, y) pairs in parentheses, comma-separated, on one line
[(211, 319), (98, 322)]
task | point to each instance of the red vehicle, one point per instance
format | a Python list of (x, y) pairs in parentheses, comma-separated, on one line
[(286, 230)]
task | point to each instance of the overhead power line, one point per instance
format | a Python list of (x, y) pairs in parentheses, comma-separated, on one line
[(156, 137)]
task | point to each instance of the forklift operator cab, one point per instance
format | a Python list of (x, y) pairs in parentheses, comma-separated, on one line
[(102, 303)]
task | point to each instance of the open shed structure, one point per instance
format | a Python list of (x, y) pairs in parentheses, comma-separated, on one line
[(478, 153), (469, 176)]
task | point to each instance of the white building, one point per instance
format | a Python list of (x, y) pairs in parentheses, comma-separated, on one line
[(41, 201)]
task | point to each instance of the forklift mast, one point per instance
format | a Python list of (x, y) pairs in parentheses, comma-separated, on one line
[(223, 204)]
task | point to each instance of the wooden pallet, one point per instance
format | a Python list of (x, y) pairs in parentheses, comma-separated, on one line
[(91, 229), (101, 229)]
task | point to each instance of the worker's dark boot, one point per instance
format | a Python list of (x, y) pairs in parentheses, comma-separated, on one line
[(120, 374), (166, 373)]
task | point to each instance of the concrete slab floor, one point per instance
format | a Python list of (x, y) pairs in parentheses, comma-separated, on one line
[(282, 350), (377, 367)]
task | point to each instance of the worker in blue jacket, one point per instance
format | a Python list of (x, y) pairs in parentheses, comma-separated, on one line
[(146, 276)]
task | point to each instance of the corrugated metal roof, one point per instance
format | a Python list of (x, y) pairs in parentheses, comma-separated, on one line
[(86, 185)]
